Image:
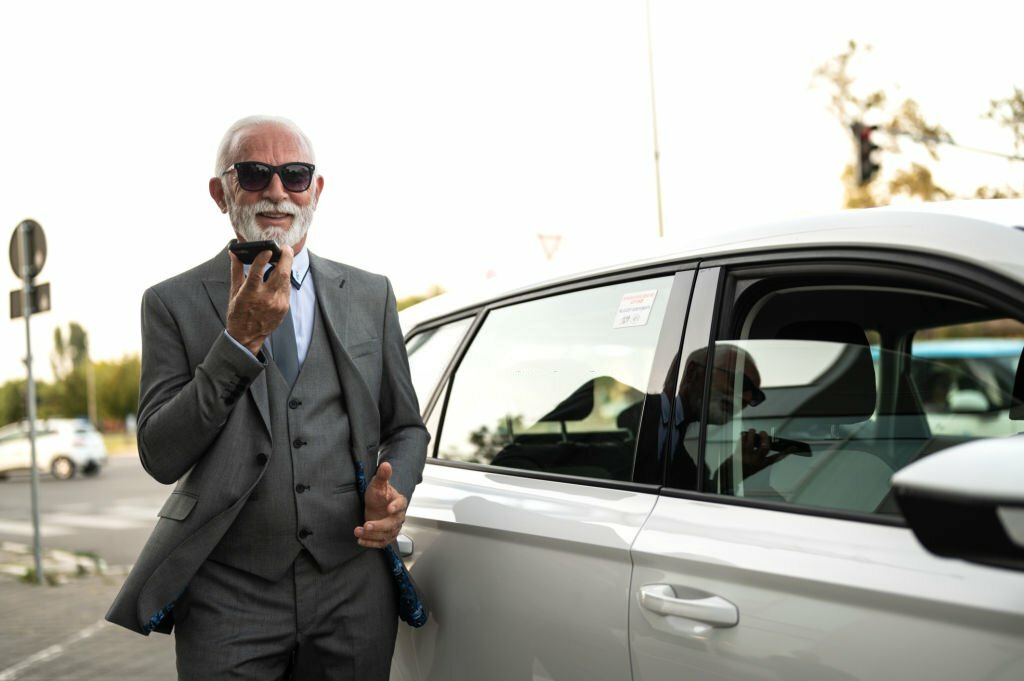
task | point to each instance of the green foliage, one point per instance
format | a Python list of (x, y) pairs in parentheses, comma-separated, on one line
[(489, 442), (996, 328), (117, 388), (70, 353), (12, 402), (847, 104), (409, 301), (986, 192), (917, 181), (68, 396), (117, 394)]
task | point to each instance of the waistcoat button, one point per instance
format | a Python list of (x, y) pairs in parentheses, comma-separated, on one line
[(261, 458), (301, 488), (294, 404), (303, 533), (298, 442)]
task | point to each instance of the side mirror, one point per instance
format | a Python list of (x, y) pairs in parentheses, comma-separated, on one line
[(967, 501)]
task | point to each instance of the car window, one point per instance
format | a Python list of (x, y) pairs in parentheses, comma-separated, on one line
[(965, 375), (429, 353), (557, 384), (817, 395), (12, 433)]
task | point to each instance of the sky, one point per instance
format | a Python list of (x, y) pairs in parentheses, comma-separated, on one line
[(453, 134)]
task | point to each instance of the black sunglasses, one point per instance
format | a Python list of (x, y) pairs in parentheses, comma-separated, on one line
[(757, 395), (254, 176)]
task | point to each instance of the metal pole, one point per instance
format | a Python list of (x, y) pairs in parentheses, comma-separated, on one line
[(90, 386), (654, 121), (26, 304)]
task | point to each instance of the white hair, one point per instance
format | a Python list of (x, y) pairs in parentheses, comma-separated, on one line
[(233, 137)]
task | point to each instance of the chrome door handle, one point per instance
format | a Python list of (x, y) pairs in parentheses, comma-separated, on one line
[(405, 545), (700, 606)]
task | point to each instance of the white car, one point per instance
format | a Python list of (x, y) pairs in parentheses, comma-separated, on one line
[(717, 464), (64, 447)]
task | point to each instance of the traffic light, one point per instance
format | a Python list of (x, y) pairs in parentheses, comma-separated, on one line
[(867, 167)]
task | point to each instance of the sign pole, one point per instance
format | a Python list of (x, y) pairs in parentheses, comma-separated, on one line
[(26, 297)]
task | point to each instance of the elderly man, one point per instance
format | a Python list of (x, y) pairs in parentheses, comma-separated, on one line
[(266, 392)]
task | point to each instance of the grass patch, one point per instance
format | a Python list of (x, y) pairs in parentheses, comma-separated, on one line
[(119, 443)]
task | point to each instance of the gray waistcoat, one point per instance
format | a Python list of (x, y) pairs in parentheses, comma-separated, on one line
[(307, 498)]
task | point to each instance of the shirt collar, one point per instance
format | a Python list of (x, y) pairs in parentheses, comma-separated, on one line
[(300, 266)]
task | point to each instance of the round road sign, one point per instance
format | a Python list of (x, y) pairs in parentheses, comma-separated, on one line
[(31, 230)]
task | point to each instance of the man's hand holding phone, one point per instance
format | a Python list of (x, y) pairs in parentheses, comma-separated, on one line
[(256, 307)]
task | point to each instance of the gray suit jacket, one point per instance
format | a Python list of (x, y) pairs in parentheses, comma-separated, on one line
[(204, 415)]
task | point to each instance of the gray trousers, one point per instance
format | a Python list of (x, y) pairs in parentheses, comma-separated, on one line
[(308, 626)]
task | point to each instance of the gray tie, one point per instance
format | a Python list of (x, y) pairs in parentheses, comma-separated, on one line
[(282, 345)]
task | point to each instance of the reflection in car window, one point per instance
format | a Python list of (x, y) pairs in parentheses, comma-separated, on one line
[(965, 374), (821, 399), (556, 384), (429, 354)]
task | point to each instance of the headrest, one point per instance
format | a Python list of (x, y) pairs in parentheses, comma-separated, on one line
[(576, 407), (845, 393)]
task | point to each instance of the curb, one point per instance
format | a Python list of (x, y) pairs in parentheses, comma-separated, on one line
[(17, 562)]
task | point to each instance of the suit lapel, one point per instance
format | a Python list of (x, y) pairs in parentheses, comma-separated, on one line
[(217, 282), (334, 300)]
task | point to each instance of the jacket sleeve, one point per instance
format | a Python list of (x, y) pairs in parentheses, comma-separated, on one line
[(181, 412), (403, 436)]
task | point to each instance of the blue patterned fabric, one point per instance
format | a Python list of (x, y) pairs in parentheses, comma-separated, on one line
[(156, 619), (410, 608), (154, 622)]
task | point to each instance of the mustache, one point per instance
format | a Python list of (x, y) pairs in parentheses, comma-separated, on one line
[(265, 206)]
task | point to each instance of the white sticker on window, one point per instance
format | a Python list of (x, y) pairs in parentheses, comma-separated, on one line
[(634, 309)]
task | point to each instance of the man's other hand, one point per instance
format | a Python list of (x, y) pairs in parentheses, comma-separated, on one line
[(256, 307), (385, 511)]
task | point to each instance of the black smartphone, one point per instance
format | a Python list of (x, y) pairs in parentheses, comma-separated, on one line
[(248, 250), (784, 445)]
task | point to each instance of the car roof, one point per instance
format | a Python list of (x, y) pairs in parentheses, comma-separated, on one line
[(995, 228)]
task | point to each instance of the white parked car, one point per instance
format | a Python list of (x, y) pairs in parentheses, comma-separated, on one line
[(721, 463), (64, 447)]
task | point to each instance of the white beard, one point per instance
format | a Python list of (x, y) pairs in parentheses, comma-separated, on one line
[(243, 219)]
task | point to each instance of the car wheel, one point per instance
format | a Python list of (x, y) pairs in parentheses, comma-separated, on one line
[(63, 468)]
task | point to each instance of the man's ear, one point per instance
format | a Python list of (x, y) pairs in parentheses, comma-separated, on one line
[(217, 193), (319, 188)]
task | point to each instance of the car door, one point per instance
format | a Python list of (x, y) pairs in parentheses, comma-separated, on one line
[(522, 526), (8, 435), (15, 450), (794, 562)]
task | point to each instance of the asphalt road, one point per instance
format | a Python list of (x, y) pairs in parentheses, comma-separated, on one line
[(110, 514)]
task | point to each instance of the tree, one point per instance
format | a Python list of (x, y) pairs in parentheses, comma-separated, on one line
[(69, 394), (898, 125), (116, 384), (70, 354), (117, 388), (1009, 113), (409, 301), (12, 401)]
